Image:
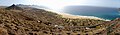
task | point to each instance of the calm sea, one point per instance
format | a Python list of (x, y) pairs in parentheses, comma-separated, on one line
[(101, 12)]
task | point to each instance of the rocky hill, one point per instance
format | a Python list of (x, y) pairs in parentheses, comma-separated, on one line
[(32, 6), (32, 21), (14, 7)]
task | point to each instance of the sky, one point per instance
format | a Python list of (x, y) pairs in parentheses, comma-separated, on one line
[(63, 3)]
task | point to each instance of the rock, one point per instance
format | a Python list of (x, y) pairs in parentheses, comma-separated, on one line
[(117, 19), (3, 31), (56, 25), (87, 28), (14, 7)]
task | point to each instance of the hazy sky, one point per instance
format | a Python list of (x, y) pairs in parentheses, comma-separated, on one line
[(62, 3)]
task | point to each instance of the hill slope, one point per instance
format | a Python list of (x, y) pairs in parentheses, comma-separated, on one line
[(34, 21)]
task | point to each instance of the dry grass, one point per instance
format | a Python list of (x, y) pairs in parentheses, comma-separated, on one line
[(42, 22)]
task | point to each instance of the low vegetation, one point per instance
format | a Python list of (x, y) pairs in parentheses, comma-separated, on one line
[(33, 21)]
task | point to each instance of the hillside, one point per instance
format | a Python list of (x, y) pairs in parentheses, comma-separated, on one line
[(32, 6), (32, 21)]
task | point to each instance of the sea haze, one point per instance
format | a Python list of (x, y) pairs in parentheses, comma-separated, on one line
[(101, 12)]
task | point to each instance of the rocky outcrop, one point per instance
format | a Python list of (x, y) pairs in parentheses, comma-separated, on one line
[(14, 7)]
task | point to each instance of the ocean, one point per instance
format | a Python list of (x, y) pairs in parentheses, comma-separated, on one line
[(101, 12)]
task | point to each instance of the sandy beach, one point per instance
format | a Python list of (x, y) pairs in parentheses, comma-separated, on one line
[(66, 15)]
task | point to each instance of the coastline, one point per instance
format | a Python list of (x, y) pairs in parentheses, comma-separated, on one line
[(66, 15)]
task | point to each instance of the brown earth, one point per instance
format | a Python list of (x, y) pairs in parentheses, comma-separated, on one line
[(32, 21)]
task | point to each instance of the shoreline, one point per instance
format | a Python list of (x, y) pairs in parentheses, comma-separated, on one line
[(66, 15)]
